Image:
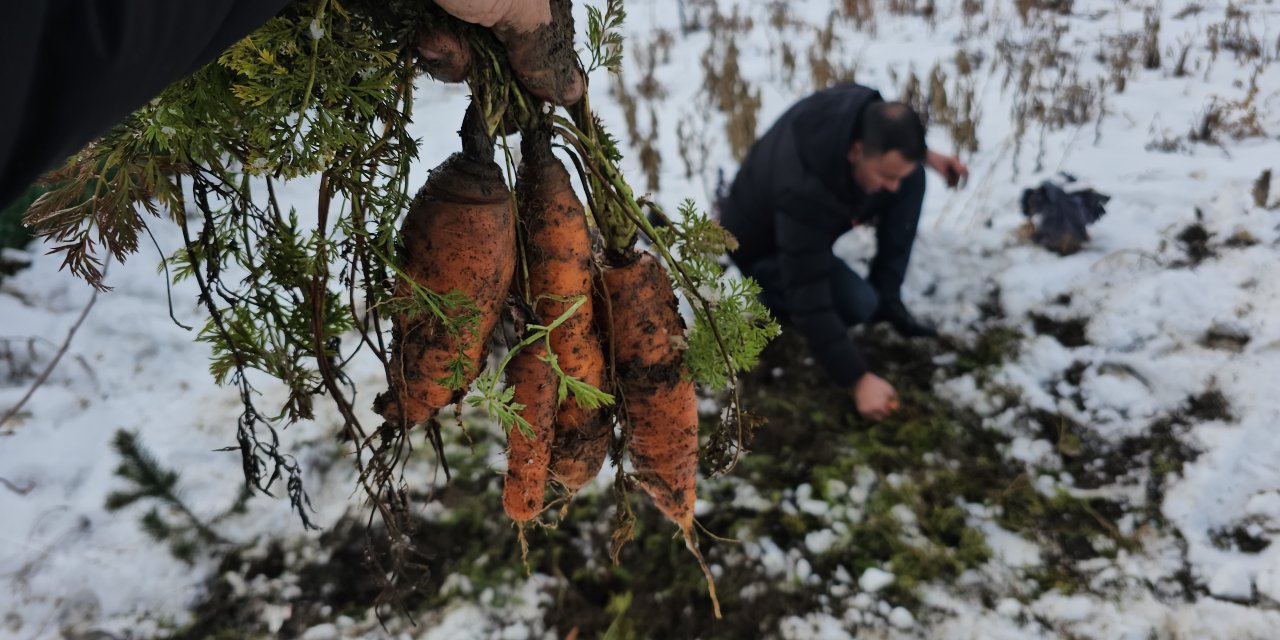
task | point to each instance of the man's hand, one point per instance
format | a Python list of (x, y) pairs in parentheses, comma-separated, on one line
[(874, 397), (949, 167)]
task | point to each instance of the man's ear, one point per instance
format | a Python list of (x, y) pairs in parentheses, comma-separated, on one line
[(855, 152)]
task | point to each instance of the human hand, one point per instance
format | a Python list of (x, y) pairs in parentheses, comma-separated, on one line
[(538, 36), (949, 167), (875, 398)]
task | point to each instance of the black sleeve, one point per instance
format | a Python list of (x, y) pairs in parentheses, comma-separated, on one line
[(895, 235), (805, 261), (74, 68)]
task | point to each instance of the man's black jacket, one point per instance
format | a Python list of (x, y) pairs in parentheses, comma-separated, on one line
[(794, 195), (70, 69)]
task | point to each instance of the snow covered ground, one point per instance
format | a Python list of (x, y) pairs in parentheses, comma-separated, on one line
[(1160, 325)]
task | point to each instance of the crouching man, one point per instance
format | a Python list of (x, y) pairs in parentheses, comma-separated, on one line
[(836, 159)]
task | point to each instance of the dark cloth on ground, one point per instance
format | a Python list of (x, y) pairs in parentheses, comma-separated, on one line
[(74, 68), (1062, 211)]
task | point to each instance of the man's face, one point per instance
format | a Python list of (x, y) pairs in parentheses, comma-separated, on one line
[(883, 172)]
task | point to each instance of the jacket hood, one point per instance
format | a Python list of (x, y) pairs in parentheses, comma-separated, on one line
[(823, 133)]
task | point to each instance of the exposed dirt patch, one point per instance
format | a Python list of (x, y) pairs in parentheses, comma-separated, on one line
[(1195, 242), (1209, 406), (1070, 332), (1225, 338), (989, 308), (1241, 239), (1074, 376), (1239, 538)]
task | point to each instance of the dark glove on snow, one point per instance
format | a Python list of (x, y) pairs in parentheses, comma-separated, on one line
[(896, 314)]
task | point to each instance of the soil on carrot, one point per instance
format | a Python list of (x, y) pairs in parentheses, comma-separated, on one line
[(540, 58)]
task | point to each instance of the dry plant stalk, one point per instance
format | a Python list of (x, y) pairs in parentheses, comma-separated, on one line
[(650, 90), (912, 95), (861, 12), (1262, 189), (1180, 69), (730, 93), (963, 125), (1117, 53), (696, 145), (1237, 119), (1234, 34), (1028, 7), (1151, 39), (902, 7), (937, 107), (821, 69)]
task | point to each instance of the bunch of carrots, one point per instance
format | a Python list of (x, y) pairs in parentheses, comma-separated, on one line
[(585, 322)]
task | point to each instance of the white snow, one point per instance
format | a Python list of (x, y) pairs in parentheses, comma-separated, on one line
[(901, 618), (1231, 582), (820, 541), (874, 579)]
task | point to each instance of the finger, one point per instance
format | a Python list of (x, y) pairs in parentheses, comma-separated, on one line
[(522, 15)]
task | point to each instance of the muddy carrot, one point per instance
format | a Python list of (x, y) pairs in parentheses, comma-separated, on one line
[(458, 236), (558, 253), (659, 401), (528, 457)]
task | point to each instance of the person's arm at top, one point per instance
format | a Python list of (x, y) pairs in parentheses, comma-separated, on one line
[(952, 170), (74, 68)]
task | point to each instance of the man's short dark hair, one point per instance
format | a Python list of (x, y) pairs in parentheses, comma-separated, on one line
[(892, 126)]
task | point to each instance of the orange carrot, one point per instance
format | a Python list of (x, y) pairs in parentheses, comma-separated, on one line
[(646, 334), (459, 235), (558, 250), (647, 338), (528, 458)]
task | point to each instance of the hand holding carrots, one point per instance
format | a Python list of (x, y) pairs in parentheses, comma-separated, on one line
[(875, 398)]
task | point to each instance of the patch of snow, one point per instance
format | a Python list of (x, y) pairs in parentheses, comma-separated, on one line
[(325, 631), (1232, 581), (874, 579), (746, 496), (814, 626), (820, 541), (901, 618)]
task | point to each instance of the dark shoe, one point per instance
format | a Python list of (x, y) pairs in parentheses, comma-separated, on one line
[(896, 314)]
